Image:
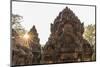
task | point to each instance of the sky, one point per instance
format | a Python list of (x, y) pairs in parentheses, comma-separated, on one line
[(41, 15)]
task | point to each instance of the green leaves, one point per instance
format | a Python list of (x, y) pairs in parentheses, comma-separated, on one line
[(89, 34)]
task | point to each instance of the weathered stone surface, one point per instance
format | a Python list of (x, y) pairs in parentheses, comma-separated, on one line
[(66, 43), (22, 55), (35, 45)]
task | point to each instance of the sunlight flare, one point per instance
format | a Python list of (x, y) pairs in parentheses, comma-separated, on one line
[(26, 36)]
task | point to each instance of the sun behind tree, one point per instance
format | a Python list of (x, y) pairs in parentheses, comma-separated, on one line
[(26, 36)]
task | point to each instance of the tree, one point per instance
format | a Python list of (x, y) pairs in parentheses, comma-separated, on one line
[(89, 35), (16, 24)]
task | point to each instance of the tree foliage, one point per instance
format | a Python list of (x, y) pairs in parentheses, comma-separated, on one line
[(16, 24), (89, 35)]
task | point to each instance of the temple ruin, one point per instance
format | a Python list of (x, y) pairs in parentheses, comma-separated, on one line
[(22, 55), (66, 42)]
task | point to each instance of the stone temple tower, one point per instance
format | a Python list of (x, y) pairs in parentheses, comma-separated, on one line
[(66, 42)]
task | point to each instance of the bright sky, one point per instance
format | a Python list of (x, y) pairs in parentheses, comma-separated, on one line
[(41, 15)]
